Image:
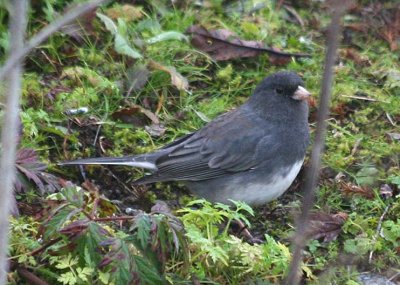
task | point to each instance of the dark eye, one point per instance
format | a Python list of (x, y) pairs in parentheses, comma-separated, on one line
[(279, 90)]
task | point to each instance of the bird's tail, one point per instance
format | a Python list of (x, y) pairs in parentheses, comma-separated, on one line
[(141, 161)]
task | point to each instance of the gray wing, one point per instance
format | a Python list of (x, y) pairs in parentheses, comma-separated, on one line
[(217, 149)]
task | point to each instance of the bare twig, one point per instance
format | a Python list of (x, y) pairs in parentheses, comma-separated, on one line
[(30, 277), (9, 130), (378, 231), (299, 241), (46, 32)]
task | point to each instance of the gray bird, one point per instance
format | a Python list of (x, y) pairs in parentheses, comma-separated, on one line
[(250, 154)]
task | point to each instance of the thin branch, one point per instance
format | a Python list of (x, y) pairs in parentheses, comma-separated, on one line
[(299, 241), (378, 231), (46, 32), (9, 130)]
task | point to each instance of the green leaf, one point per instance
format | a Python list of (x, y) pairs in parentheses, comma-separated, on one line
[(165, 36), (121, 46), (104, 277), (121, 267), (58, 220), (88, 244), (110, 25), (68, 278), (147, 272), (143, 226), (120, 43), (394, 180)]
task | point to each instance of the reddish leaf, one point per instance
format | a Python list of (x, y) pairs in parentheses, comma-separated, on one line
[(30, 169), (224, 45), (326, 226), (75, 227)]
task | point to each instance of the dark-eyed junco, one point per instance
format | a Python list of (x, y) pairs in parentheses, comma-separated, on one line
[(251, 154)]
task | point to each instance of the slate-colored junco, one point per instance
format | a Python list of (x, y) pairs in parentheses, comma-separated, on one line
[(252, 153)]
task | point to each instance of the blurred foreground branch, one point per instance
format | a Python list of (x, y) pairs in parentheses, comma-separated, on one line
[(338, 9), (46, 32), (9, 130), (11, 74)]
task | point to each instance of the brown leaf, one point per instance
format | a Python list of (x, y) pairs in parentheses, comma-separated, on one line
[(358, 27), (81, 27), (140, 117), (353, 55), (224, 45), (326, 226), (279, 59), (75, 227), (352, 189), (390, 32), (177, 79), (126, 12)]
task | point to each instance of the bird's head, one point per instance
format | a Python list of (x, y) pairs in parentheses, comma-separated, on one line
[(284, 83)]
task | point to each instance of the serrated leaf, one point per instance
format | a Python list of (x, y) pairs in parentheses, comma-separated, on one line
[(68, 278), (147, 272), (57, 221), (67, 262), (31, 169), (84, 273), (74, 195), (143, 227), (104, 277), (89, 243)]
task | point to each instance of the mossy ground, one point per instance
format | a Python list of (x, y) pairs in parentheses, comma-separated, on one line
[(67, 73)]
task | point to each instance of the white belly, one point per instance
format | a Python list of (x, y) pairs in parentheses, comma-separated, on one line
[(250, 188), (259, 193)]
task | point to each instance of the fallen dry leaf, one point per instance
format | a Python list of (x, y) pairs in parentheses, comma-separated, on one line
[(326, 226), (126, 12), (81, 26), (177, 79), (352, 189), (224, 44), (140, 117), (390, 32), (394, 136), (354, 55)]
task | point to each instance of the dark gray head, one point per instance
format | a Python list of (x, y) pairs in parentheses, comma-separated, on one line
[(280, 94)]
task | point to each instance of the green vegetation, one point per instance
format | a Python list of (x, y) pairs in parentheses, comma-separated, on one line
[(144, 85)]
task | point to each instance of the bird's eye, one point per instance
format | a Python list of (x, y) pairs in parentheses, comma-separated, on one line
[(279, 90)]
